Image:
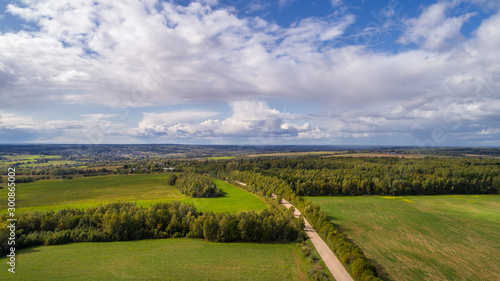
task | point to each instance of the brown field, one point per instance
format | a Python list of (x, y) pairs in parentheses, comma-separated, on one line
[(306, 153)]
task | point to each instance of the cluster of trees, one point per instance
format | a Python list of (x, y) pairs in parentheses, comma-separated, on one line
[(195, 185), (349, 254), (127, 221)]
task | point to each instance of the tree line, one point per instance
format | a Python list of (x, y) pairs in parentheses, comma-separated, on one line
[(127, 221)]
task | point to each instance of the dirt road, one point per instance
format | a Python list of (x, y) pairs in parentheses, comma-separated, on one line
[(332, 262)]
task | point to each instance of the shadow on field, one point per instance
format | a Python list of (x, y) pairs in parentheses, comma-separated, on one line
[(381, 271), (29, 250)]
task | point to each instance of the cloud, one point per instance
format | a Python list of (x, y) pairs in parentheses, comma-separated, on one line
[(139, 54), (158, 121), (433, 30), (336, 3), (283, 3), (92, 128), (9, 121), (249, 120), (110, 52)]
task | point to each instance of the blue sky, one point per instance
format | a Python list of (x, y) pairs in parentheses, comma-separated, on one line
[(418, 73)]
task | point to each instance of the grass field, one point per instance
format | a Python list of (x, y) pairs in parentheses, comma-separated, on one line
[(166, 259), (25, 159), (145, 190), (423, 237), (221, 157)]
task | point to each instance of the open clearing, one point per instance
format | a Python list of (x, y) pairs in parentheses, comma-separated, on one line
[(166, 259), (145, 190), (423, 237)]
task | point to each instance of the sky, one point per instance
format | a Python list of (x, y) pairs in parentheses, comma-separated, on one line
[(333, 72)]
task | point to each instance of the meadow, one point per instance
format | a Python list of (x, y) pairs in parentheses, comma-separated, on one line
[(166, 259), (11, 159), (423, 237), (145, 190)]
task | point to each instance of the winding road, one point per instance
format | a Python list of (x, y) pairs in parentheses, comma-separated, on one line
[(332, 262)]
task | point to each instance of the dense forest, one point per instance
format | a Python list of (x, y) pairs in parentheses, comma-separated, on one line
[(195, 185), (126, 221), (314, 176)]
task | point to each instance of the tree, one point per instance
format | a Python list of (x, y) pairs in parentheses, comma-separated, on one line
[(172, 180), (210, 227)]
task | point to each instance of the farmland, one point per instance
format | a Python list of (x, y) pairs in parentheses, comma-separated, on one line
[(423, 237), (145, 190), (166, 259)]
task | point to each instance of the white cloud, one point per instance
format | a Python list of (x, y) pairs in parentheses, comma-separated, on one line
[(433, 30), (248, 120), (489, 132), (107, 52), (283, 3), (93, 128), (336, 3), (13, 121), (158, 121)]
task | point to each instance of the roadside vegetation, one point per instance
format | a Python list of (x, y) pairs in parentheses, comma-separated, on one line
[(350, 255)]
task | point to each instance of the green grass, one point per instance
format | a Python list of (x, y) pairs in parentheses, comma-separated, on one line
[(221, 157), (167, 259), (30, 160), (423, 237), (145, 190), (234, 199)]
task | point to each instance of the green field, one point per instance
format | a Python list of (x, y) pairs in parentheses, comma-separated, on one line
[(26, 159), (221, 157), (423, 237), (166, 259), (145, 190)]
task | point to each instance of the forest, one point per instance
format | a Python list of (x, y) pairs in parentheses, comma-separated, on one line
[(315, 176)]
